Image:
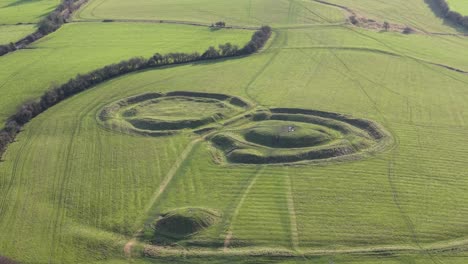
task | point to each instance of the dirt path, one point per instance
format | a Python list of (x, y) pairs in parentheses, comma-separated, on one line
[(128, 247)]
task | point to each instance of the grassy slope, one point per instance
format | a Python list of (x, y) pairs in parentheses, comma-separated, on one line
[(414, 13), (412, 195), (459, 6), (242, 12), (81, 47), (24, 11), (14, 33)]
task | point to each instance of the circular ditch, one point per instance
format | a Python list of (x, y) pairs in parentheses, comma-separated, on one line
[(287, 135), (184, 222), (155, 114)]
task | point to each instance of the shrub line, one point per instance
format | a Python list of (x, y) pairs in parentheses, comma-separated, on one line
[(83, 82), (49, 24)]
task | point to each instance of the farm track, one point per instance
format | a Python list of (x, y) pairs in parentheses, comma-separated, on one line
[(167, 180), (378, 251), (229, 233), (155, 21), (292, 214), (389, 53)]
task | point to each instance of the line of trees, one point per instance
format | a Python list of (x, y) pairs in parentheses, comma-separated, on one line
[(451, 15), (49, 24), (83, 82)]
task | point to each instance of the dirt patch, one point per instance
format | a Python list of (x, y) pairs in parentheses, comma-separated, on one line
[(5, 260)]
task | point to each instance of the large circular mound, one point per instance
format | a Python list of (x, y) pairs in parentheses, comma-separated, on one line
[(162, 114), (285, 135), (185, 222)]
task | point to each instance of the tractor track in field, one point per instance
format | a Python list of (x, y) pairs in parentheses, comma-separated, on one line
[(167, 180), (161, 21), (379, 251), (229, 233), (383, 52), (292, 214)]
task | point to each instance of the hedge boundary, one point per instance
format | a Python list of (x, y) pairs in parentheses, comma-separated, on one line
[(86, 81), (49, 24)]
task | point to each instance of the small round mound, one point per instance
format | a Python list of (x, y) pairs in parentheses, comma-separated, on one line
[(291, 135), (185, 222)]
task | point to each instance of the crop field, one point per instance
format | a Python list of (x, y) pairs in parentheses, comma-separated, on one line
[(334, 143), (25, 11), (11, 33), (459, 6), (82, 47), (242, 12)]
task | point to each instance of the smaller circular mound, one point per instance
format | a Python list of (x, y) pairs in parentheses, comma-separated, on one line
[(185, 222), (154, 114), (276, 134)]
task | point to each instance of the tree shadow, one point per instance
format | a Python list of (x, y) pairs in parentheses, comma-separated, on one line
[(436, 10)]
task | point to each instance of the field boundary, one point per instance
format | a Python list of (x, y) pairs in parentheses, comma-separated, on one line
[(50, 24), (81, 83), (461, 245)]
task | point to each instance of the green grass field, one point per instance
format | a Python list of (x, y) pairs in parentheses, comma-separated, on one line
[(242, 12), (82, 47), (73, 191), (458, 6), (25, 11), (14, 33)]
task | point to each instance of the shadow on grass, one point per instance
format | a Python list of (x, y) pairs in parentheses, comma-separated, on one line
[(436, 10)]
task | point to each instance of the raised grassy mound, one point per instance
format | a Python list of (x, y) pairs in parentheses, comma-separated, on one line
[(162, 114), (284, 135), (184, 222)]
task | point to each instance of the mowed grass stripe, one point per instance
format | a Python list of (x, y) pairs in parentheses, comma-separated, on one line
[(264, 214)]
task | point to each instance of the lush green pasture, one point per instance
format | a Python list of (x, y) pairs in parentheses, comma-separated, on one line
[(414, 13), (11, 33), (25, 11), (241, 12), (459, 6), (72, 191), (97, 184), (82, 47)]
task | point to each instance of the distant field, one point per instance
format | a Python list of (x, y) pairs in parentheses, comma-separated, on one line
[(81, 47), (459, 5), (413, 13), (24, 11), (242, 12), (14, 33)]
